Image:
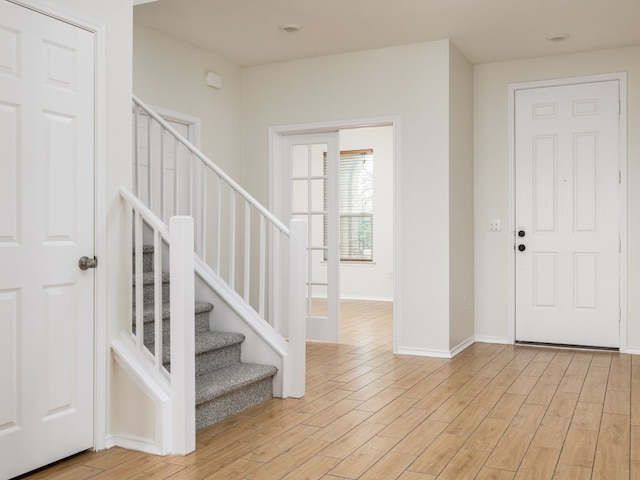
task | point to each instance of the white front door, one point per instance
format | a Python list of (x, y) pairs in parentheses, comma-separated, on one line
[(311, 193), (567, 228), (46, 225)]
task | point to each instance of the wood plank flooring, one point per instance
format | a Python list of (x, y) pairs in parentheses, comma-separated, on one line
[(493, 412)]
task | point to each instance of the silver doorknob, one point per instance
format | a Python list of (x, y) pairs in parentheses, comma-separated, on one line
[(85, 263)]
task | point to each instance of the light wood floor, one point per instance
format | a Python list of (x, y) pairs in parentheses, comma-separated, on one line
[(493, 412)]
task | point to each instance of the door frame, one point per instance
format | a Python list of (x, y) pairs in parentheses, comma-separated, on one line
[(275, 185), (100, 208), (194, 123), (621, 77)]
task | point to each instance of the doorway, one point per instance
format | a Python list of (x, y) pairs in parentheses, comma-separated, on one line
[(568, 190), (364, 274)]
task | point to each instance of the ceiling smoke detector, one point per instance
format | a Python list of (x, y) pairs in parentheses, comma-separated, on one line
[(289, 28), (558, 38)]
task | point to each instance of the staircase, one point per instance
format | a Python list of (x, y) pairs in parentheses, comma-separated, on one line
[(224, 385), (221, 246)]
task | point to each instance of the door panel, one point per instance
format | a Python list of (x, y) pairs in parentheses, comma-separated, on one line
[(567, 234), (46, 225), (311, 194)]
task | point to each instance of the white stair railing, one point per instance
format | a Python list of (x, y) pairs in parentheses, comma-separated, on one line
[(180, 382), (244, 244), (234, 233)]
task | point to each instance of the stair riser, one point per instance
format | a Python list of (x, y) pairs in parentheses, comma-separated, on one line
[(147, 260), (201, 325), (148, 293), (222, 407), (215, 359)]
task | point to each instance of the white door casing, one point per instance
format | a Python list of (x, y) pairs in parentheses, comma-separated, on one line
[(175, 197), (567, 176), (46, 225), (303, 196)]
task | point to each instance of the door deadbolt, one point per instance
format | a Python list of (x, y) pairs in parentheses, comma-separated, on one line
[(521, 233), (85, 263)]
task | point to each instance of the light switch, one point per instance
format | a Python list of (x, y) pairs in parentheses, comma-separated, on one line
[(494, 225)]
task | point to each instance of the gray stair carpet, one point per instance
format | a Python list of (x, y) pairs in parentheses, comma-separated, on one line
[(229, 390), (224, 385)]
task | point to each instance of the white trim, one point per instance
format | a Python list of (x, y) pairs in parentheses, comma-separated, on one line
[(438, 353), (496, 340), (423, 353), (360, 297), (366, 298), (130, 442), (194, 123), (101, 351), (275, 186), (153, 385), (462, 346), (621, 77)]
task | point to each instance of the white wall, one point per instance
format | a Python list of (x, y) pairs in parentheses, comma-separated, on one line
[(169, 73), (461, 329), (411, 82), (492, 250), (373, 281)]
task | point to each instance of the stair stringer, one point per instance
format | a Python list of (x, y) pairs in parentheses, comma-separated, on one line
[(232, 314), (156, 388)]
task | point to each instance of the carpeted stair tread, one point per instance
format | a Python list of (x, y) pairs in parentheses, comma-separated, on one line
[(225, 380), (149, 310), (206, 342)]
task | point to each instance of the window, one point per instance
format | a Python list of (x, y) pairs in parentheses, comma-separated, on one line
[(355, 205)]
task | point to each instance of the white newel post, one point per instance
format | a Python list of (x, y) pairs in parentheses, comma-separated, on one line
[(297, 318), (182, 335)]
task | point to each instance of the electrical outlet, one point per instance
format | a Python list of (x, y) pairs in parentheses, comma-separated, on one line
[(494, 225)]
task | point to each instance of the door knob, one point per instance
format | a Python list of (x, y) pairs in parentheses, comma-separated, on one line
[(522, 248), (85, 263)]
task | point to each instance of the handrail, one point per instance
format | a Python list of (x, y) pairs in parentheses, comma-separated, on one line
[(218, 171), (151, 218)]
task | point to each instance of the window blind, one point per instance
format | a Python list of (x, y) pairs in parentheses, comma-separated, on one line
[(355, 205)]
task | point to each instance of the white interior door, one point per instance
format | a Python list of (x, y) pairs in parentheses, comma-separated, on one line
[(312, 194), (567, 226), (46, 225)]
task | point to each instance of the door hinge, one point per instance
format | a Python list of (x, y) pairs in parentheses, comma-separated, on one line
[(619, 245), (619, 107), (619, 177)]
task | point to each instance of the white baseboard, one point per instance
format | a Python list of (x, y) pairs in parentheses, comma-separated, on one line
[(462, 346), (359, 297), (437, 353), (631, 350), (132, 443), (498, 340), (418, 352), (366, 299)]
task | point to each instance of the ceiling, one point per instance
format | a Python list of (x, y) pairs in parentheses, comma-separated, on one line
[(246, 31)]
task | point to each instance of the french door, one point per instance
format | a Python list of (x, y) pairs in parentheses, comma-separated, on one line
[(567, 214), (310, 180)]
